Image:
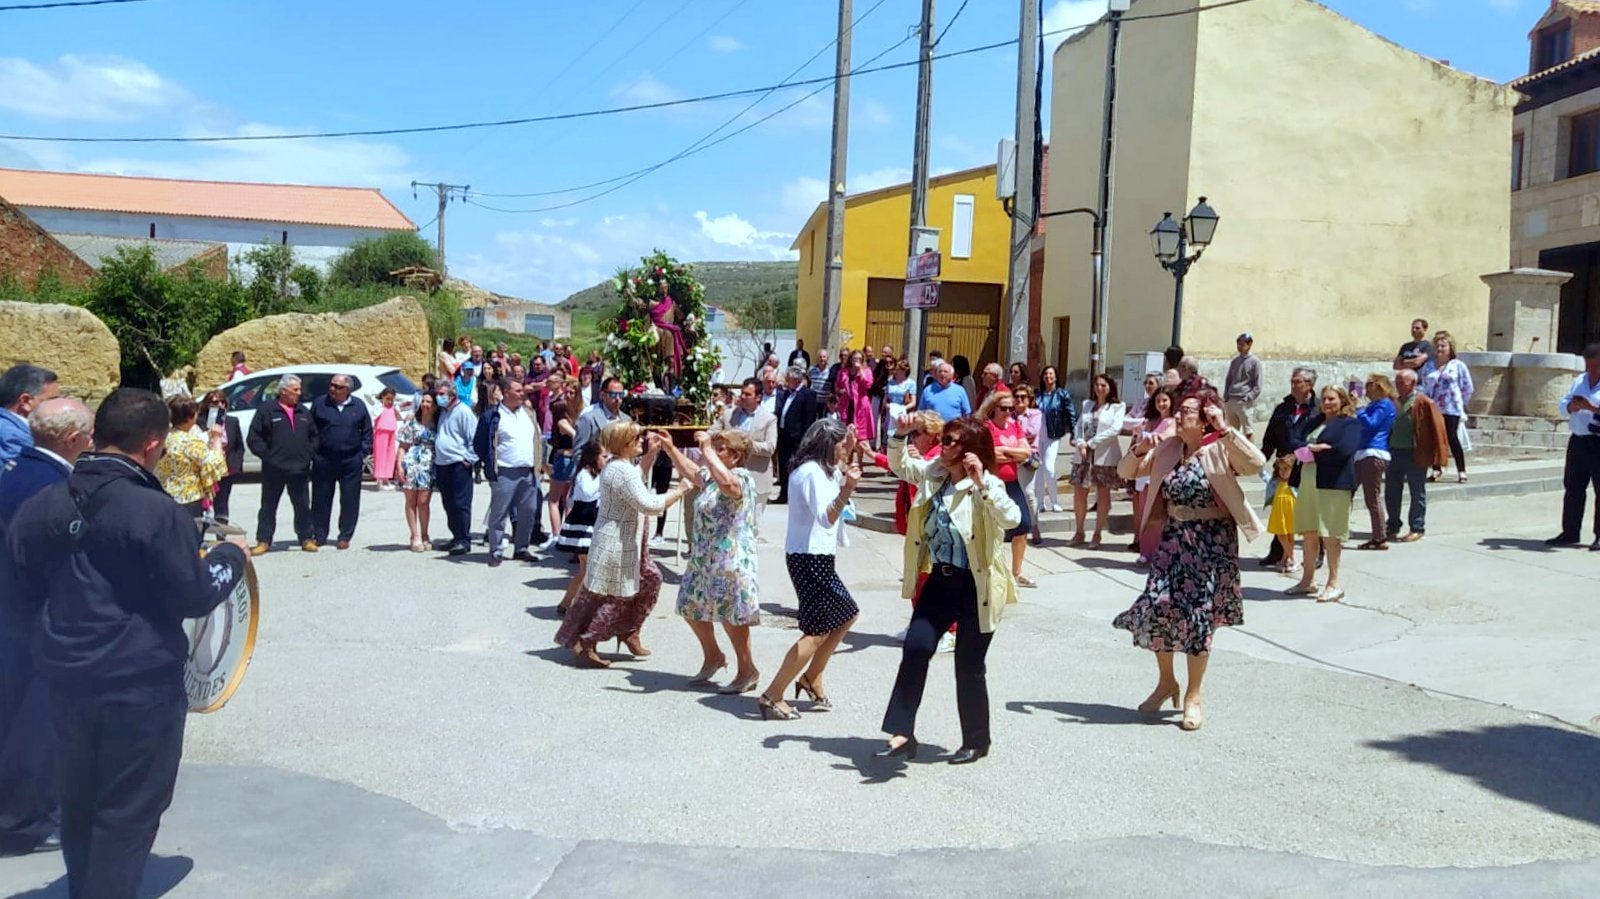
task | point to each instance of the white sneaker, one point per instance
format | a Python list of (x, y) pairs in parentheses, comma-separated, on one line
[(1057, 508), (658, 540), (947, 643), (901, 635)]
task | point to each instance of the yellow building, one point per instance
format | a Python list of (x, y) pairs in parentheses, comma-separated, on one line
[(1360, 184), (974, 236)]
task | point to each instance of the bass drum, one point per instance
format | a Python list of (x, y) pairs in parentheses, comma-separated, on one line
[(221, 644)]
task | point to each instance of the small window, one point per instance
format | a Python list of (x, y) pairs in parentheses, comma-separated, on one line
[(247, 394), (1583, 148), (1552, 46), (961, 228), (1516, 162)]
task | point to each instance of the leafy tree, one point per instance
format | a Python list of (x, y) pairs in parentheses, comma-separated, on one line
[(371, 261), (161, 319), (759, 317), (309, 283)]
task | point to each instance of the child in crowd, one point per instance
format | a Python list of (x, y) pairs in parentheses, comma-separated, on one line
[(1281, 521)]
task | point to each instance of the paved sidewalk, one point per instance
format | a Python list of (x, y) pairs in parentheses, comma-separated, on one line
[(408, 729)]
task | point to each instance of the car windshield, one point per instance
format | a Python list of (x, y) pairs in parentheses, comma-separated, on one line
[(402, 385)]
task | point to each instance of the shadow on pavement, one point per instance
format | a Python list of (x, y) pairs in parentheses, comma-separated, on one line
[(542, 613), (549, 583), (1274, 594), (855, 641), (643, 680), (860, 754), (1550, 767), (1520, 543), (161, 874), (1090, 712), (389, 548)]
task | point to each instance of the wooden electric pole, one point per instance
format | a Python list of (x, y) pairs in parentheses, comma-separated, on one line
[(1024, 209), (916, 320), (833, 278), (444, 200)]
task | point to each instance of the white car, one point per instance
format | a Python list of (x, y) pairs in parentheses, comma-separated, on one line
[(251, 392)]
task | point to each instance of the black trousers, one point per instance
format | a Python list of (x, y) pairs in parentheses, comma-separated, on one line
[(1452, 427), (325, 475), (274, 484), (119, 753), (219, 503), (786, 450), (1582, 474), (29, 804), (661, 482), (946, 598), (454, 485)]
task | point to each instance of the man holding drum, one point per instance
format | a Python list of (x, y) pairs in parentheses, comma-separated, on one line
[(115, 563)]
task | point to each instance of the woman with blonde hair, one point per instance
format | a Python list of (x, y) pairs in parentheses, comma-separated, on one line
[(956, 564), (719, 580), (1011, 449), (1449, 385), (1194, 586), (1327, 489), (193, 465), (1377, 419), (622, 582)]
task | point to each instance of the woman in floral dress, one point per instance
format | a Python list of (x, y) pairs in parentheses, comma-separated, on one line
[(416, 468), (1449, 385), (719, 582), (1193, 587)]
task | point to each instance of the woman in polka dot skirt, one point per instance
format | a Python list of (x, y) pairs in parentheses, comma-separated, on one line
[(820, 484)]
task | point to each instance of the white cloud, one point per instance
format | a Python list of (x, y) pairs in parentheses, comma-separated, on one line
[(724, 43), (800, 197), (645, 89), (551, 264), (88, 88), (884, 177), (338, 161), (1070, 14), (875, 113)]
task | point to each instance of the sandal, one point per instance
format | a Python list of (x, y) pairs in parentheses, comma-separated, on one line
[(1333, 595), (1077, 539), (1461, 478), (1301, 590), (1095, 543), (1024, 581)]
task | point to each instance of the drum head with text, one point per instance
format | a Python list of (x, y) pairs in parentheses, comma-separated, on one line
[(220, 646)]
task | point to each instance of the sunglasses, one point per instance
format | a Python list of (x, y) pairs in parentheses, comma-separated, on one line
[(1007, 408), (616, 394), (949, 440)]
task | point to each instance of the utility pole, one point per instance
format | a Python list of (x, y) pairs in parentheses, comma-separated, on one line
[(1102, 238), (1024, 209), (916, 327), (445, 190), (833, 277)]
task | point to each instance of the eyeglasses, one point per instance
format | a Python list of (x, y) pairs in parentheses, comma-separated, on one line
[(1011, 408), (616, 394), (949, 440)]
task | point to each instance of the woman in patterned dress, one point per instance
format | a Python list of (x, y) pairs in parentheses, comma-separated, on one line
[(416, 468), (193, 465), (1193, 587), (622, 582), (719, 581), (1449, 385)]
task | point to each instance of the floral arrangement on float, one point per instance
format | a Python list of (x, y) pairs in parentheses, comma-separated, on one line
[(659, 340)]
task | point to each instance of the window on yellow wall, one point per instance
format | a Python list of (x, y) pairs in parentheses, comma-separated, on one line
[(811, 253), (961, 227)]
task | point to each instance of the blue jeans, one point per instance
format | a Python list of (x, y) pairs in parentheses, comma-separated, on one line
[(1404, 472)]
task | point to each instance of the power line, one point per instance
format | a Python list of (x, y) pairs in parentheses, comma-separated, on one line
[(736, 116), (702, 32), (65, 3), (946, 29), (592, 44), (649, 34), (692, 150), (569, 116)]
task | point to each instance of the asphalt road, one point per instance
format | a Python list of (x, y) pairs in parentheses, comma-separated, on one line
[(408, 728)]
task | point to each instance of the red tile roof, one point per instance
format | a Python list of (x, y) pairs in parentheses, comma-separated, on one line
[(348, 207)]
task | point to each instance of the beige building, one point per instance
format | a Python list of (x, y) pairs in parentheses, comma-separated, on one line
[(1359, 184), (1555, 174)]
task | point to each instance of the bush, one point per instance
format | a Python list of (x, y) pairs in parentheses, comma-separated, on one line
[(371, 261), (161, 319)]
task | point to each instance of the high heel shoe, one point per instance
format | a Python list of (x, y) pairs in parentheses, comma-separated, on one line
[(634, 645), (588, 658), (1193, 717), (709, 671), (770, 710), (741, 686), (1153, 705), (906, 750), (823, 703)]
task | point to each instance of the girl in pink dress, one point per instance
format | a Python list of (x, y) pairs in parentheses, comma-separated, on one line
[(383, 431), (852, 390)]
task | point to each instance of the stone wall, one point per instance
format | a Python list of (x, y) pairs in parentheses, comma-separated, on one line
[(394, 332), (68, 340)]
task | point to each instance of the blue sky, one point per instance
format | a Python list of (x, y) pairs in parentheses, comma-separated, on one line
[(212, 67)]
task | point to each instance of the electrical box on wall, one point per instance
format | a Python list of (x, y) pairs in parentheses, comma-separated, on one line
[(1121, 5), (1005, 180)]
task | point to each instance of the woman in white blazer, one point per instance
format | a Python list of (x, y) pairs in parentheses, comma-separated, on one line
[(621, 583), (1099, 451)]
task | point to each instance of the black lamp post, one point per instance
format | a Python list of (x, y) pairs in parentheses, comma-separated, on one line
[(1172, 240)]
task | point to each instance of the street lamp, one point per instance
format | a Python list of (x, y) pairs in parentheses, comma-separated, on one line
[(1171, 241)]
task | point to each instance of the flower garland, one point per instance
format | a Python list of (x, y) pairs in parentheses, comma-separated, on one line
[(632, 350)]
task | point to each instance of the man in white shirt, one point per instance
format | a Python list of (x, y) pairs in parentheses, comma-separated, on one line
[(750, 415), (1583, 452), (509, 443), (769, 391)]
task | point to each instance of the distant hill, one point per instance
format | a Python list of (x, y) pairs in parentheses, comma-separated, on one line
[(724, 282)]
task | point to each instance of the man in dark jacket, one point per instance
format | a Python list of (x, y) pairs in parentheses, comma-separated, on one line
[(284, 437), (30, 813), (1290, 422), (344, 438), (797, 409), (108, 565)]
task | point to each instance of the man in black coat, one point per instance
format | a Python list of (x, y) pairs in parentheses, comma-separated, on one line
[(798, 407), (284, 437), (109, 567), (344, 438), (30, 813), (1287, 427)]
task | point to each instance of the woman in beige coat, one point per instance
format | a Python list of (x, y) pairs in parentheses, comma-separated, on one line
[(621, 583), (1194, 587), (955, 536)]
